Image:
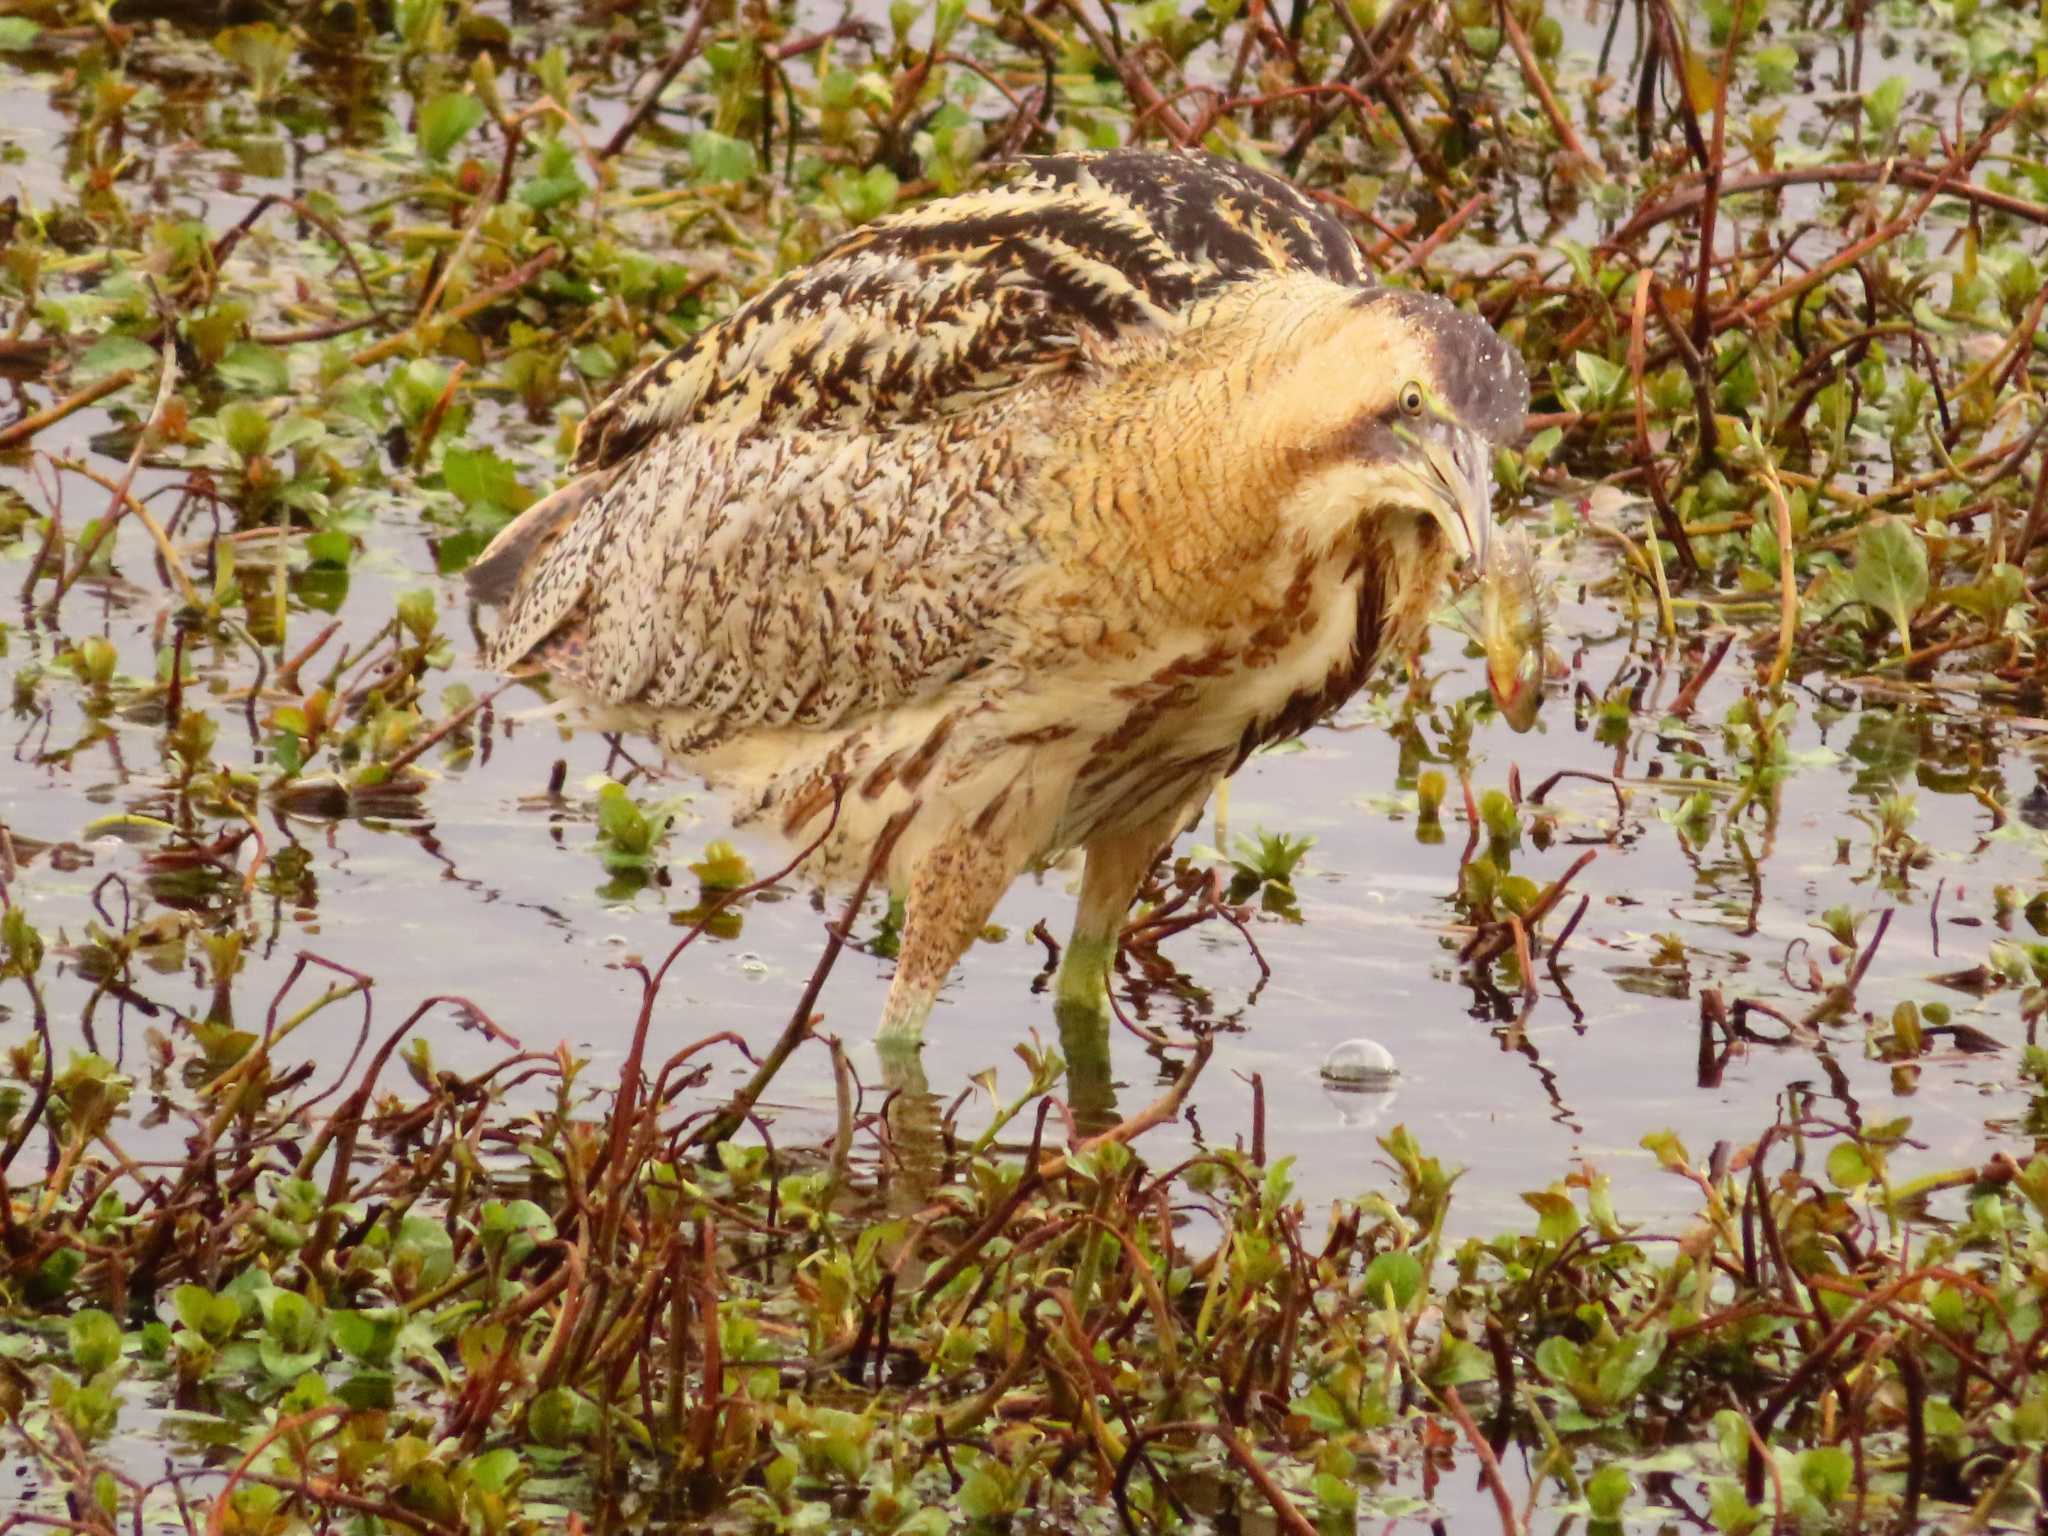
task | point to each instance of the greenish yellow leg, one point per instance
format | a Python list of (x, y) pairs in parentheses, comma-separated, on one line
[(1081, 991), (1115, 869)]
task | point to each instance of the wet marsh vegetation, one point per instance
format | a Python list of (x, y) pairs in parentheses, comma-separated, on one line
[(416, 1119)]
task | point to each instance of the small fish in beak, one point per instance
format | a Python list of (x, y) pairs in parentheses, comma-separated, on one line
[(1512, 621)]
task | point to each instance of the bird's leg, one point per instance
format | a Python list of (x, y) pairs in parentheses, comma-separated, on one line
[(1117, 864), (1116, 868), (952, 891)]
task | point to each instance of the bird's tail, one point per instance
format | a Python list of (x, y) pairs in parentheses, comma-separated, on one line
[(494, 576)]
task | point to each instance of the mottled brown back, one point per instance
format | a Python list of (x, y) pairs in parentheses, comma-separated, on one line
[(808, 513), (936, 308)]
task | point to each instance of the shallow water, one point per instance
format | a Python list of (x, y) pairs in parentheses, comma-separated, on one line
[(496, 893), (493, 891)]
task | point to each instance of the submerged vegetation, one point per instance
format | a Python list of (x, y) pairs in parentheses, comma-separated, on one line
[(300, 303)]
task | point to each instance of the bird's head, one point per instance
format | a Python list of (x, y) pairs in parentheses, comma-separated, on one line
[(1400, 399)]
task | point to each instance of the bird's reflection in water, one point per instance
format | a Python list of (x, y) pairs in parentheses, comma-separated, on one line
[(925, 1143), (915, 1122), (1160, 1005), (1091, 1089), (916, 1116)]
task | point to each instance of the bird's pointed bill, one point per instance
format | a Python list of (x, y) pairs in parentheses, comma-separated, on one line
[(1456, 477)]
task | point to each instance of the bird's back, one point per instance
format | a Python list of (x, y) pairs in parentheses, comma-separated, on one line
[(704, 523), (937, 308)]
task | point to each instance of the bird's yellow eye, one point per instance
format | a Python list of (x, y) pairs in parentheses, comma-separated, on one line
[(1411, 398)]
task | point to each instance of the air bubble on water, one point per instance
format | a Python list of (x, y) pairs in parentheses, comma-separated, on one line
[(1360, 1066), (753, 964)]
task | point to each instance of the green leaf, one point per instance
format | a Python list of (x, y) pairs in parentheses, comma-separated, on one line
[(447, 120), (110, 354), (17, 34), (1324, 1409), (1825, 1472), (1883, 102), (1891, 574), (1397, 1271), (290, 431), (866, 196), (561, 1417), (369, 1335), (1848, 1167), (1558, 1358), (1627, 1365), (290, 752), (983, 1497), (557, 181), (416, 613), (1731, 1434), (1458, 1361), (496, 1470), (261, 52), (510, 1230), (1337, 1495), (20, 943), (417, 388), (244, 428), (307, 1393), (95, 1340), (1775, 66), (719, 157), (257, 369), (594, 362), (723, 868), (292, 1320), (1607, 1491), (281, 1364), (368, 1391), (1557, 1218), (1731, 1511), (424, 1253), (330, 547), (482, 481), (1991, 598), (1602, 378), (212, 1317)]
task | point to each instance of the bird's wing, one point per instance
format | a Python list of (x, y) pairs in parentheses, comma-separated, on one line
[(940, 307), (798, 578), (801, 513)]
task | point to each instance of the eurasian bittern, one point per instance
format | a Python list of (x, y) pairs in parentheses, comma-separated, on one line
[(1017, 521)]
